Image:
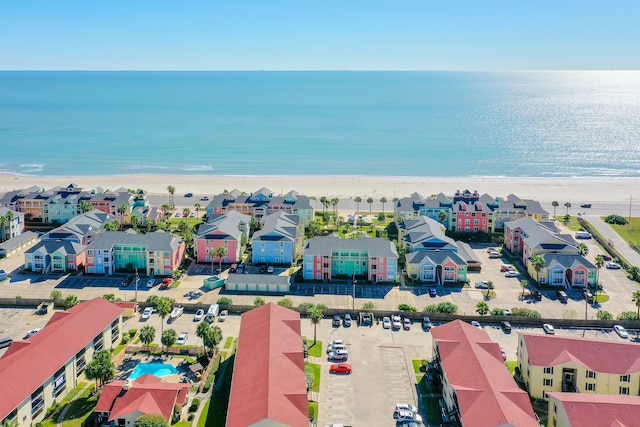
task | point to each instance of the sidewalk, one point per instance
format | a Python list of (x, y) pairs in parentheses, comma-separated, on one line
[(617, 242)]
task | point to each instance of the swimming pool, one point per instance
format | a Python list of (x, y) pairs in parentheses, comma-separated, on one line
[(157, 369)]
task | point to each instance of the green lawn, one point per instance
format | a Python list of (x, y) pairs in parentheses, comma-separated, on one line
[(315, 349), (601, 297), (313, 410), (417, 366), (52, 422), (511, 364), (80, 409), (629, 232), (313, 369), (227, 342)]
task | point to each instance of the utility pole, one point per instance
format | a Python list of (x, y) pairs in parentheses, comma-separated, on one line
[(630, 199), (137, 280)]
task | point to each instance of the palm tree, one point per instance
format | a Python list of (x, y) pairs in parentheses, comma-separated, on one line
[(358, 200), (482, 308), (163, 308), (122, 209), (567, 205), (383, 200), (3, 225), (85, 206), (599, 263), (633, 272), (135, 220), (147, 335), (538, 263), (171, 189), (555, 204), (334, 202), (583, 249), (323, 200), (148, 223), (112, 225), (370, 201), (221, 251), (212, 338), (635, 297), (186, 212), (71, 301), (524, 285), (169, 337), (442, 216), (316, 315), (212, 256), (197, 208), (201, 332)]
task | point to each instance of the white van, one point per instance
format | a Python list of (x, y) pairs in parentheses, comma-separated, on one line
[(583, 235), (212, 313)]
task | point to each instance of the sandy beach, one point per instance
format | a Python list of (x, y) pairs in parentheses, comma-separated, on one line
[(573, 190)]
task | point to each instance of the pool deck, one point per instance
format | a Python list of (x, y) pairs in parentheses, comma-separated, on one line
[(126, 367)]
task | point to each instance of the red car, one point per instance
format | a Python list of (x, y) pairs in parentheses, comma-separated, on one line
[(340, 368), (503, 353), (166, 283)]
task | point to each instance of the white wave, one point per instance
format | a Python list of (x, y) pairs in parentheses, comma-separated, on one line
[(196, 168), (136, 167), (32, 167)]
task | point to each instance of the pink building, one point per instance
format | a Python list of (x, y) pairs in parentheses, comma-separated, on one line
[(226, 231)]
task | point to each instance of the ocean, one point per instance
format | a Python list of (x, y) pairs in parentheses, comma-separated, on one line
[(435, 124)]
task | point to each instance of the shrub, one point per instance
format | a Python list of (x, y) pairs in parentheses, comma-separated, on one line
[(497, 311), (628, 315), (285, 302), (604, 315), (407, 307), (132, 332), (224, 301), (125, 339), (258, 301), (306, 305), (195, 403), (443, 307), (525, 312), (615, 219)]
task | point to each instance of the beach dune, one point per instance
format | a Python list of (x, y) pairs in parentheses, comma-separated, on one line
[(573, 190)]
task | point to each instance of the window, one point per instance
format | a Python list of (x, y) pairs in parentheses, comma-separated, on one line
[(625, 378), (589, 387), (548, 370), (591, 374), (624, 390), (548, 382)]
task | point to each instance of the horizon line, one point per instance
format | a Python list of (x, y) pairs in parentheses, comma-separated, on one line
[(324, 70)]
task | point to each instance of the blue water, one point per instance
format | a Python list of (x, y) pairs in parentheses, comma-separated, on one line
[(321, 123), (157, 369)]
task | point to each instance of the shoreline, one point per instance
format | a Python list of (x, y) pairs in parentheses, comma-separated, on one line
[(561, 189)]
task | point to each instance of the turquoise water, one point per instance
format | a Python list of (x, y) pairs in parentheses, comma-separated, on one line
[(157, 369), (321, 123)]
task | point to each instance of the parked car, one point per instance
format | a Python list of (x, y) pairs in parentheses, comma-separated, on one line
[(182, 338), (199, 315), (334, 343), (406, 407), (588, 296), (223, 315), (204, 198), (405, 415), (346, 322), (339, 355), (585, 205), (150, 283), (335, 347), (613, 266), (396, 322), (506, 326), (506, 312), (408, 424), (32, 332), (177, 215), (270, 269), (621, 331), (188, 195), (476, 324), (128, 280), (406, 324), (604, 257), (426, 323), (148, 311), (562, 296), (240, 268), (535, 294), (494, 254), (507, 267), (493, 249), (263, 269), (482, 284), (166, 283), (433, 292), (337, 320), (386, 322), (511, 273), (340, 368), (503, 353), (548, 329), (3, 275)]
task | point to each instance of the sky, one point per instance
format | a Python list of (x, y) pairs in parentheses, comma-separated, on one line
[(319, 35)]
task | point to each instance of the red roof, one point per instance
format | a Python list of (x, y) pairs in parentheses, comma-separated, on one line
[(268, 377), (602, 410), (146, 395), (486, 392), (594, 355), (30, 363)]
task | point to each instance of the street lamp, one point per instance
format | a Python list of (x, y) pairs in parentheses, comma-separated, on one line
[(353, 295), (137, 280)]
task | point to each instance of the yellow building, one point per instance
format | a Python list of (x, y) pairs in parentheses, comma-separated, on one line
[(550, 363)]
